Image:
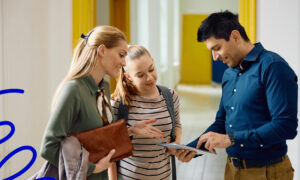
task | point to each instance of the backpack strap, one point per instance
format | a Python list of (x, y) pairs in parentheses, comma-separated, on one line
[(122, 111), (122, 114), (170, 105)]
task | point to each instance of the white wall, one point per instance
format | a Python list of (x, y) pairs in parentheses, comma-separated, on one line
[(278, 29), (3, 129), (36, 47)]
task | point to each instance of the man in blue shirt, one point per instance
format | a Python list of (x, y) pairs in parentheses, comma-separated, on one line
[(258, 108)]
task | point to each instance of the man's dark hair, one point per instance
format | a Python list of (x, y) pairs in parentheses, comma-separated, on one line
[(220, 25)]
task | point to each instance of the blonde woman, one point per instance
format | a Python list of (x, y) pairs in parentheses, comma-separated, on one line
[(137, 89), (74, 109)]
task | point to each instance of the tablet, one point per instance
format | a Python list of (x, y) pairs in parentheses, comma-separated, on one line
[(180, 146)]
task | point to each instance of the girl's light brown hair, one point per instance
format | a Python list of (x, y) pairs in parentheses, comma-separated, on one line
[(85, 54), (125, 88)]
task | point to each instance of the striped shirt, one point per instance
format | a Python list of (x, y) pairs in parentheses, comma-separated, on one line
[(149, 161)]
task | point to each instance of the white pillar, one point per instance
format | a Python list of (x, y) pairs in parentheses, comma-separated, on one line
[(153, 26)]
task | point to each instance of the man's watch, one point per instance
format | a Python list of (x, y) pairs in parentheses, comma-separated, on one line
[(231, 137)]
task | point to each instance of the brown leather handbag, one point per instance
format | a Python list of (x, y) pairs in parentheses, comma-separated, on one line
[(100, 141)]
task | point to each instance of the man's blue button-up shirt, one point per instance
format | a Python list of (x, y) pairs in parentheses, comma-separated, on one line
[(259, 105)]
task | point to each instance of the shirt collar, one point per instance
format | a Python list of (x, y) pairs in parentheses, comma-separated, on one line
[(89, 80), (252, 56), (254, 53)]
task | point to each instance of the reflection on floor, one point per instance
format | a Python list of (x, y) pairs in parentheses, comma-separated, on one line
[(199, 105)]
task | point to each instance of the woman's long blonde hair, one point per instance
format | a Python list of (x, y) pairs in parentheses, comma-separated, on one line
[(125, 88), (85, 53)]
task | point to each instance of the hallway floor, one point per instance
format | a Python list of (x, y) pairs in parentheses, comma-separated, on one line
[(199, 105)]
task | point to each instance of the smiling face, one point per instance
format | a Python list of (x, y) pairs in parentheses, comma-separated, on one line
[(113, 58), (142, 73), (226, 51)]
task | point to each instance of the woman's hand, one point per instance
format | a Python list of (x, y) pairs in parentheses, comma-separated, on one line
[(144, 128), (112, 172), (104, 163)]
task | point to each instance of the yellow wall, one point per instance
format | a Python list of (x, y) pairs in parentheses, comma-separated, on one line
[(120, 18), (195, 57), (120, 15), (247, 17), (84, 18)]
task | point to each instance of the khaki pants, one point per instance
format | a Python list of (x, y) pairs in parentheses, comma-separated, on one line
[(279, 171)]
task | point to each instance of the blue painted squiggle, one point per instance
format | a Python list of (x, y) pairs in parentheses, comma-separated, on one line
[(5, 91), (22, 148), (12, 131)]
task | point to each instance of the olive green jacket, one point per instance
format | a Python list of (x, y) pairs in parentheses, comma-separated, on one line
[(75, 111)]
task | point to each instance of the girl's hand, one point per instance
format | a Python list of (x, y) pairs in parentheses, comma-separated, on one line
[(104, 163), (144, 128), (173, 151), (185, 155)]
